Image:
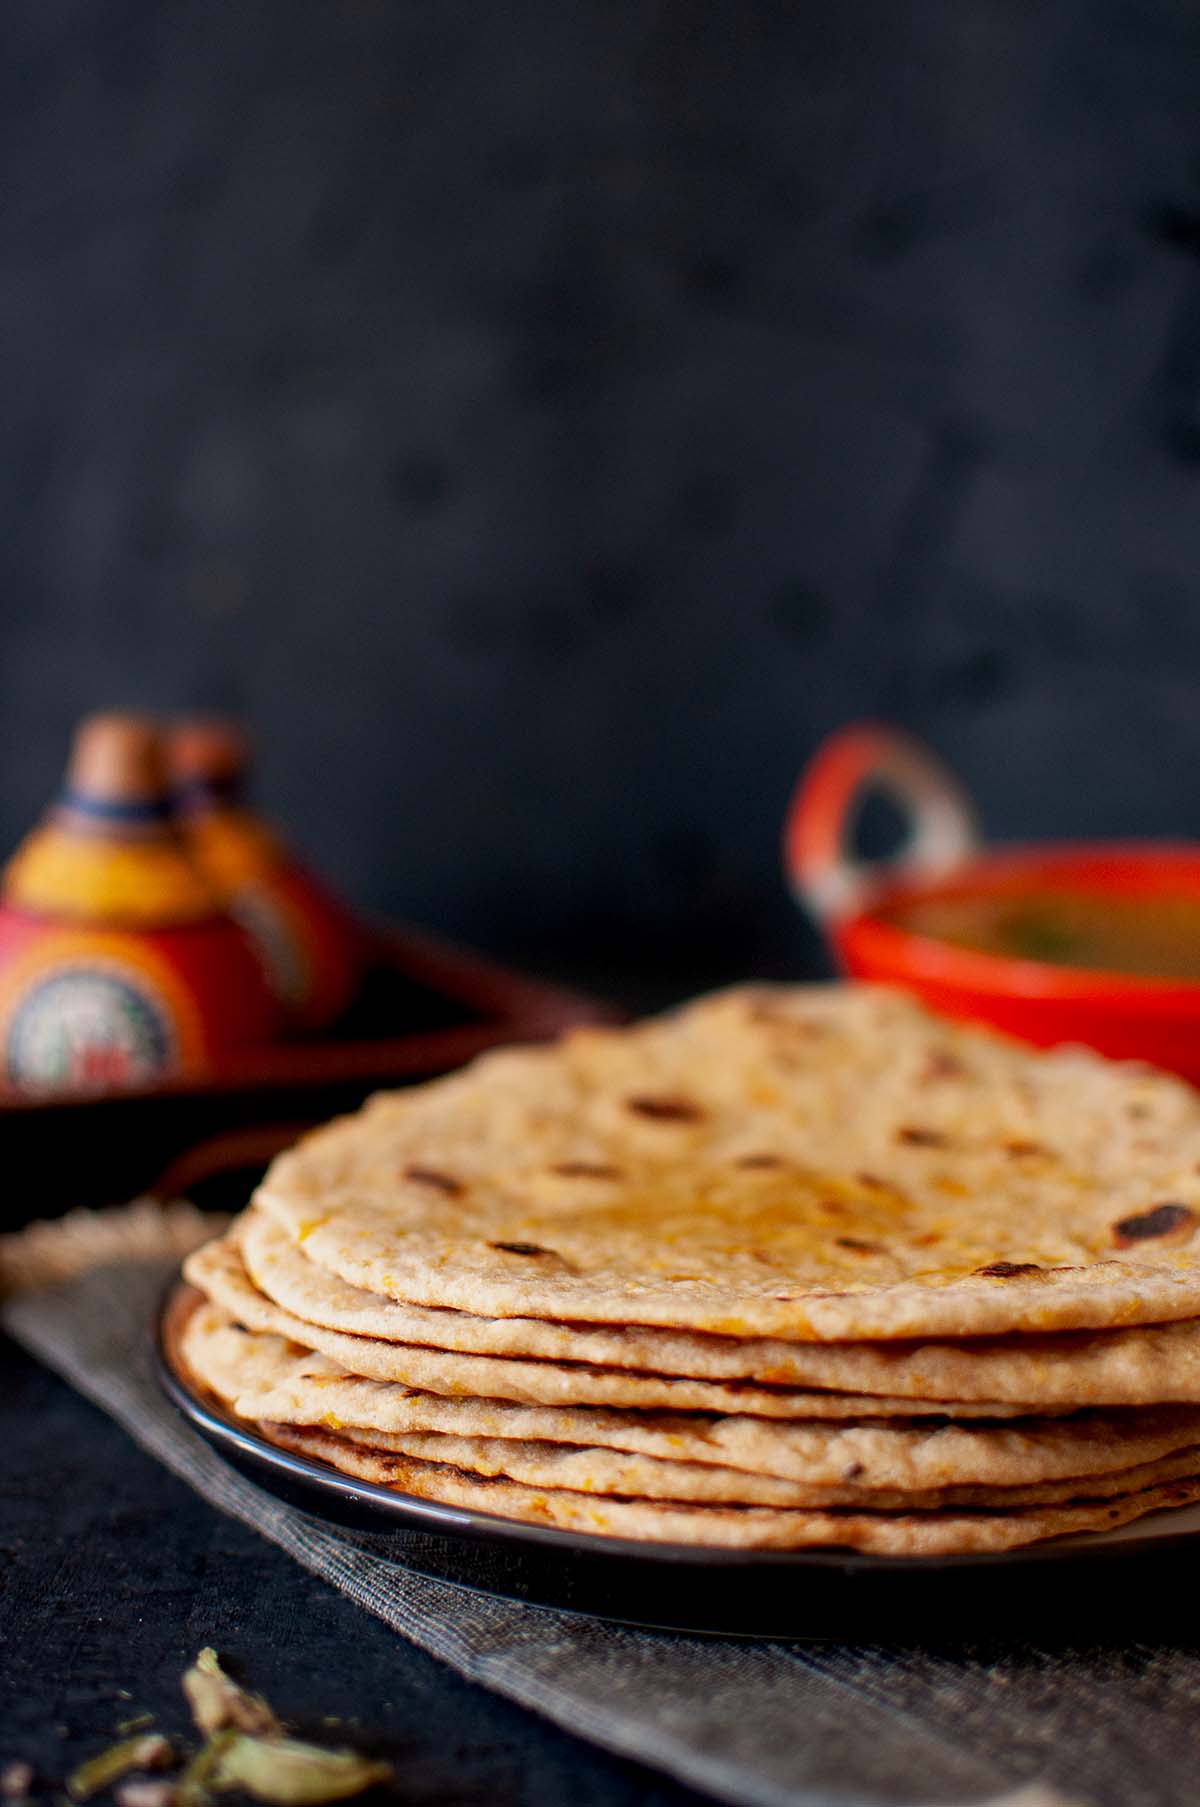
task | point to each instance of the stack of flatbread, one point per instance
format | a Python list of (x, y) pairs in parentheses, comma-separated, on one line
[(793, 1266)]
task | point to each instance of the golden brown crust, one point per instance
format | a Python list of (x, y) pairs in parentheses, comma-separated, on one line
[(1143, 1365), (891, 1207), (741, 1527), (217, 1270), (261, 1376)]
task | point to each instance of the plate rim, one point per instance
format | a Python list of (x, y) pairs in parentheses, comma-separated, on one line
[(404, 1511)]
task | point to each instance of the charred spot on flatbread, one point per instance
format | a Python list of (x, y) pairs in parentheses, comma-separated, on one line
[(1168, 1219), (436, 1179), (586, 1170), (916, 1135), (664, 1110), (1008, 1270), (857, 1246), (875, 1183), (521, 1248), (941, 1064)]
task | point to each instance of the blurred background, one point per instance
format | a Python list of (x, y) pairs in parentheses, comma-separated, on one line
[(544, 423)]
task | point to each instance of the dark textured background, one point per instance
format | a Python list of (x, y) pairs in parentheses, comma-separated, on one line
[(546, 421)]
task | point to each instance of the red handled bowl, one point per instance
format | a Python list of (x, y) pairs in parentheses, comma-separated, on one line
[(1123, 1014)]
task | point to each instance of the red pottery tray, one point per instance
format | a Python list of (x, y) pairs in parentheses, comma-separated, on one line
[(425, 1007)]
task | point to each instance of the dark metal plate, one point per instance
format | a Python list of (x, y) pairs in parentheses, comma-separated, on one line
[(1071, 1586)]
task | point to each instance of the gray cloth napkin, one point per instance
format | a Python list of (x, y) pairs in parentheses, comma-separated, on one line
[(766, 1724)]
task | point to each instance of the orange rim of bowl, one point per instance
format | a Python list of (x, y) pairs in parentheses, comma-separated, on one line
[(1116, 868)]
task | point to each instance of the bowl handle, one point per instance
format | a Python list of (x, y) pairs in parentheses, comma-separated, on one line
[(822, 869)]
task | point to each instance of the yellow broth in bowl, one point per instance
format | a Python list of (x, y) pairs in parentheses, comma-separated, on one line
[(1155, 935)]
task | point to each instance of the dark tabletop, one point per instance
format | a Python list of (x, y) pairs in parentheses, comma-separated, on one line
[(113, 1574)]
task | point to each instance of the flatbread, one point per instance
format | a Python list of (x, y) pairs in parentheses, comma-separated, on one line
[(737, 1527), (643, 1477), (818, 1163), (218, 1272), (1144, 1365), (263, 1377)]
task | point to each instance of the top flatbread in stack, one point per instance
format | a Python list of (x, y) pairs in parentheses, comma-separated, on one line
[(817, 1164), (789, 1204), (1139, 1366)]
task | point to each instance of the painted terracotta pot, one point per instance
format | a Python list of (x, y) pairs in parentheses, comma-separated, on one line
[(84, 1007)]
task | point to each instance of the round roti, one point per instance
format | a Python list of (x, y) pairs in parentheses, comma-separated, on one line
[(817, 1163), (644, 1477), (1144, 1365), (262, 1376), (217, 1271), (739, 1527)]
